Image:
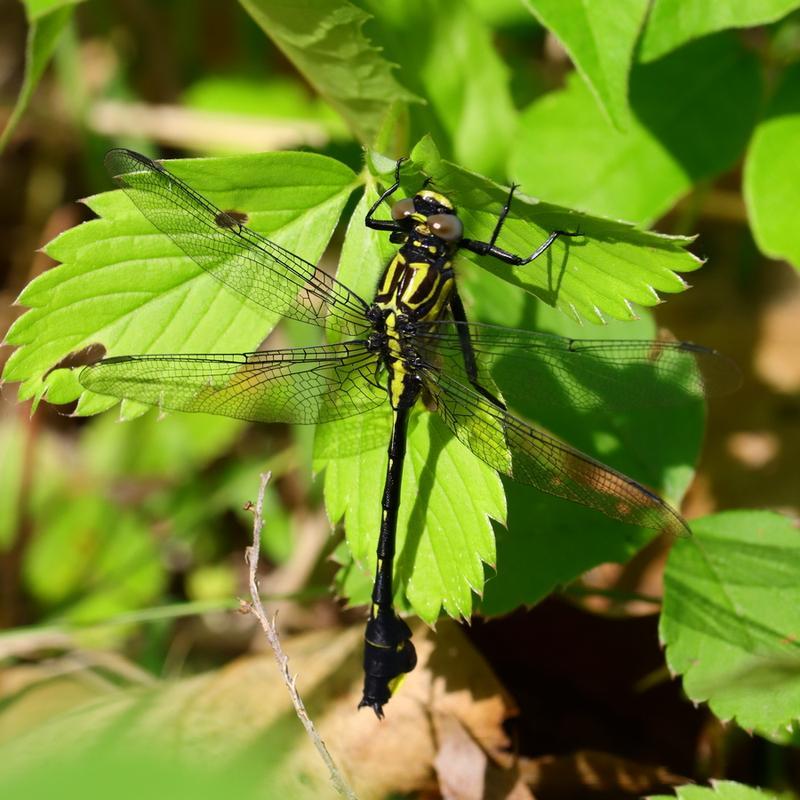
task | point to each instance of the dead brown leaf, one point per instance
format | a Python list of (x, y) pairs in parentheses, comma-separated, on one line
[(460, 762)]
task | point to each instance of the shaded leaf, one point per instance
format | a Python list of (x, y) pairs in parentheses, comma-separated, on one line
[(589, 773), (12, 446), (550, 542), (150, 446), (91, 560)]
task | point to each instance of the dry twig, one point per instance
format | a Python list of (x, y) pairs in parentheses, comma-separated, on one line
[(271, 631)]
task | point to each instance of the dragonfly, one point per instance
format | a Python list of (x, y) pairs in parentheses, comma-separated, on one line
[(410, 344)]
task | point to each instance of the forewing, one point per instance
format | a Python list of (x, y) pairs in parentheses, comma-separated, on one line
[(529, 455), (302, 385), (585, 373), (242, 259)]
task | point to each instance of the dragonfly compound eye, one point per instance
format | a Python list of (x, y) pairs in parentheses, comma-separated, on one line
[(446, 226), (403, 209)]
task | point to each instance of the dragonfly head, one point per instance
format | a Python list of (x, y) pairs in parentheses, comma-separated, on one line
[(429, 213)]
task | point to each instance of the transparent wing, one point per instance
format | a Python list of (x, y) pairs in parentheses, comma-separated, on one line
[(586, 373), (240, 258), (531, 456), (303, 385)]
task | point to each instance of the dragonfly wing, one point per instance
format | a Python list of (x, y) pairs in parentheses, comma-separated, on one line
[(529, 455), (585, 373), (242, 259), (302, 385)]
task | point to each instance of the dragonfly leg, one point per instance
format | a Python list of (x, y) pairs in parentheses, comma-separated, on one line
[(468, 352), (385, 224), (490, 248), (388, 651)]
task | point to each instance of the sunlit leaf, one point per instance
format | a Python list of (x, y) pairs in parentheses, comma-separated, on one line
[(444, 529)]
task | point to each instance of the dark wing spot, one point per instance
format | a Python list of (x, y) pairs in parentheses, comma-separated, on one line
[(85, 357), (231, 219)]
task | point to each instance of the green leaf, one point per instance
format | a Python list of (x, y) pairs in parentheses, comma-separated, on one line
[(719, 790), (550, 542), (468, 109), (772, 173), (672, 23), (47, 20), (601, 272), (126, 285), (731, 617), (693, 112), (444, 531), (600, 38), (325, 41)]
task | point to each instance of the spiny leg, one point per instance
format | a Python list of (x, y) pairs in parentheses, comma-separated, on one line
[(388, 651), (490, 248)]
